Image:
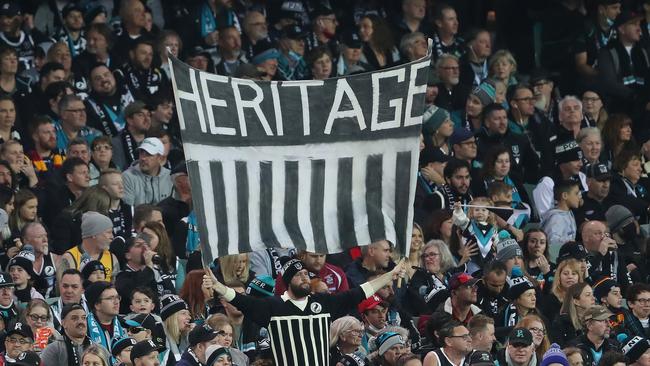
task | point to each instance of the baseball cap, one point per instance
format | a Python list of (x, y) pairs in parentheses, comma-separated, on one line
[(626, 16), (6, 280), (120, 344), (597, 312), (152, 145), (70, 7), (201, 334), (21, 328), (573, 250), (520, 336), (432, 154), (351, 39), (142, 348), (70, 307), (599, 172), (294, 31), (369, 303), (461, 279), (460, 135), (10, 9)]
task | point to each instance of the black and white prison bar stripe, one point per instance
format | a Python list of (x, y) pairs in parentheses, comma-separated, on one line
[(300, 340), (322, 198)]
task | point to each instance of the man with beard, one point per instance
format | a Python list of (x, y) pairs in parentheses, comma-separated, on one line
[(13, 36), (35, 235), (255, 29), (104, 324), (495, 132), (457, 180), (119, 212), (491, 289), (141, 77), (125, 144), (107, 101), (281, 315), (45, 157), (139, 272), (461, 303), (230, 51), (70, 292), (72, 30), (451, 94), (96, 236), (147, 181), (595, 340), (68, 348)]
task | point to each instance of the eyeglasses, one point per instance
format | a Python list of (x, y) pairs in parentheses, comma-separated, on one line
[(525, 99), (590, 99), (537, 330), (430, 255), (643, 301), (36, 318), (450, 68), (136, 329), (81, 110), (21, 341), (355, 332), (112, 298), (102, 147), (465, 337)]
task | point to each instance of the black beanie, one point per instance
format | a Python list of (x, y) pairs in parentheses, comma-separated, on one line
[(290, 268), (94, 292)]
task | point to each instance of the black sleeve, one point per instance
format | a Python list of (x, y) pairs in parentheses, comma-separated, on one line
[(257, 310), (126, 281), (342, 303)]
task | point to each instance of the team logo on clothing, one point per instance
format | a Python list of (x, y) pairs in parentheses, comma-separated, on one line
[(316, 307), (49, 271)]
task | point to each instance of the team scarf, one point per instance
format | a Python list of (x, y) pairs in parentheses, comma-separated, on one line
[(97, 335), (41, 165), (71, 350), (484, 235), (209, 21)]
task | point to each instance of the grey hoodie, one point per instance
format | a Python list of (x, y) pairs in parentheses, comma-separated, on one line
[(560, 227), (140, 188)]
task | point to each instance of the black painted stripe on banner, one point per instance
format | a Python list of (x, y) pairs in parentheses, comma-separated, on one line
[(220, 209), (344, 208), (291, 188), (373, 198), (266, 205), (317, 197), (241, 177)]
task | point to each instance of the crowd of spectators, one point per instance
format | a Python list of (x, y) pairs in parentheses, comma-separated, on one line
[(531, 232)]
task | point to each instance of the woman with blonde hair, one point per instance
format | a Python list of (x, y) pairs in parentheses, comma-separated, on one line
[(95, 355), (414, 258), (223, 325), (427, 288), (568, 324), (535, 324), (345, 338), (177, 323), (502, 67), (234, 267), (567, 274)]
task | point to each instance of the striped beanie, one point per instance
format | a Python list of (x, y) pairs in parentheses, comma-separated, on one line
[(387, 340), (261, 286), (485, 93), (290, 268), (554, 356), (432, 119), (171, 304)]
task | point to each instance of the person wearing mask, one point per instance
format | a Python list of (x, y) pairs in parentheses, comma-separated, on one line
[(68, 348), (373, 312)]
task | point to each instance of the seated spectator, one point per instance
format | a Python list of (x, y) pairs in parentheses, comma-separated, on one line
[(231, 52), (142, 77), (349, 61), (591, 144), (608, 293), (8, 130), (427, 288), (374, 257), (101, 158), (451, 94), (25, 173), (492, 290), (595, 341), (537, 327), (67, 227), (37, 316), (536, 264), (99, 43), (413, 45), (45, 156), (502, 67), (25, 211), (107, 100), (617, 136), (568, 323), (345, 338), (104, 325), (125, 144), (469, 117), (95, 354), (597, 200), (627, 188), (225, 338), (638, 301), (567, 274), (558, 223), (291, 63), (523, 302), (520, 349), (320, 63), (168, 40), (456, 343), (146, 181), (594, 109), (73, 340), (177, 321), (76, 180), (18, 339), (379, 49), (474, 62), (44, 279), (11, 84)]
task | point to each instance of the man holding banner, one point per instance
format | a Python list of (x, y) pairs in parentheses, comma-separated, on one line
[(298, 323)]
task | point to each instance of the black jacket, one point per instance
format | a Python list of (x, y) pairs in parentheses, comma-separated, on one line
[(525, 162)]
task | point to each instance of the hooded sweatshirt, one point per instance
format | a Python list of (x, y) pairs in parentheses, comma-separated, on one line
[(560, 227)]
